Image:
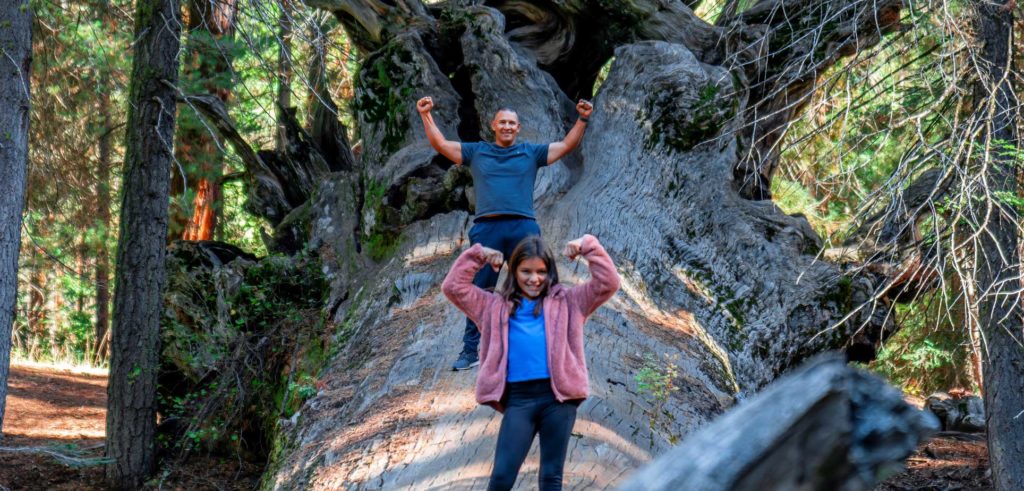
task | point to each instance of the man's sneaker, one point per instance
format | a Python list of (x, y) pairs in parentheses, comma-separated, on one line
[(466, 361)]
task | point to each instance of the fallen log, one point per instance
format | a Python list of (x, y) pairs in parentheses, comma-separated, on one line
[(823, 426)]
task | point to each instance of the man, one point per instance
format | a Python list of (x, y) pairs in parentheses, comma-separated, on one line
[(504, 173)]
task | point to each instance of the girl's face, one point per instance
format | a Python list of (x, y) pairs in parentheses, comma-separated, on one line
[(530, 276)]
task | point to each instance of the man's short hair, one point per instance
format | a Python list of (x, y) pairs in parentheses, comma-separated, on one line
[(508, 109)]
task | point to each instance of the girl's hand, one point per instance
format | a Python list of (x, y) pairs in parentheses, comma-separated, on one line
[(573, 249), (495, 258)]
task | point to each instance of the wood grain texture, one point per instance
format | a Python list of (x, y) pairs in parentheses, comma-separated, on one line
[(824, 426)]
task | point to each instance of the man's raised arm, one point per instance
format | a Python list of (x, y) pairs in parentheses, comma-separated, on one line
[(450, 149), (572, 139)]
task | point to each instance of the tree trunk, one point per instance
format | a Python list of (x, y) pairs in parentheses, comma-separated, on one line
[(721, 290), (824, 426), (284, 73), (210, 23), (140, 269), (103, 223), (975, 353), (82, 268), (998, 254), (38, 299), (15, 66)]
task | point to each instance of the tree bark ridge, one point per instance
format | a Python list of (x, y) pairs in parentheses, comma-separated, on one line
[(140, 269), (998, 254), (15, 102)]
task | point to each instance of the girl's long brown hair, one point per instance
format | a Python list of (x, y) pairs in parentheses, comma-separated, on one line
[(530, 247)]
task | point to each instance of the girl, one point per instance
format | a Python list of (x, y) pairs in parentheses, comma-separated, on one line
[(532, 365)]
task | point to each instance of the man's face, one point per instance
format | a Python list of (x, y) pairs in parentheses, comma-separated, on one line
[(506, 127)]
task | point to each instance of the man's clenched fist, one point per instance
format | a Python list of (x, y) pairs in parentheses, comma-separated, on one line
[(424, 105)]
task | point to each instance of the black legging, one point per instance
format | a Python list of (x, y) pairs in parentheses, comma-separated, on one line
[(532, 409)]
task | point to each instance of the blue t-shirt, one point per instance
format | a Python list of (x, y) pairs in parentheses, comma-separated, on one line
[(504, 176), (527, 347)]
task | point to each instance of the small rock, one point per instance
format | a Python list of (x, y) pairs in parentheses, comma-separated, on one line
[(965, 413)]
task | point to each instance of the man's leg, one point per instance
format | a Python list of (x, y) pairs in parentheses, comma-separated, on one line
[(482, 233)]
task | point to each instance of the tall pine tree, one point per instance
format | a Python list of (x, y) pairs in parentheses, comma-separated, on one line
[(15, 64), (131, 414)]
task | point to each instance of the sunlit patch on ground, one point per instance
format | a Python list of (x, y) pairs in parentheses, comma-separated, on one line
[(76, 412)]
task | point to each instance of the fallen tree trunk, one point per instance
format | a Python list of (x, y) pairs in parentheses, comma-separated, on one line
[(824, 426), (721, 293)]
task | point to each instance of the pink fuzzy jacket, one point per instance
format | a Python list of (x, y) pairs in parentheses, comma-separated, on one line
[(565, 311)]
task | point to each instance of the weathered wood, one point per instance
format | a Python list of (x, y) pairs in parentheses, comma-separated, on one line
[(825, 426), (15, 71), (724, 291), (327, 132), (404, 179), (371, 23), (573, 39), (962, 413)]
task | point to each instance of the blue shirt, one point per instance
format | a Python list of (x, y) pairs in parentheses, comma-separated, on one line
[(527, 347), (504, 176)]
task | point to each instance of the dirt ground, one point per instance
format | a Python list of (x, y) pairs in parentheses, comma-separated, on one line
[(951, 461), (63, 411)]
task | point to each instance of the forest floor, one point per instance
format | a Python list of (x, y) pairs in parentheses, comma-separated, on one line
[(63, 410), (950, 461)]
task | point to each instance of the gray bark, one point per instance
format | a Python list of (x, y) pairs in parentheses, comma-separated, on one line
[(723, 291), (15, 66), (140, 270), (998, 257), (824, 426)]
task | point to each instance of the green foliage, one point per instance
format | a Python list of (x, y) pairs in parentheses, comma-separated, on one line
[(826, 216), (930, 351), (77, 64), (239, 227), (381, 246), (602, 74), (681, 130), (711, 11), (383, 97), (243, 345), (877, 122), (656, 382), (860, 128), (383, 240)]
